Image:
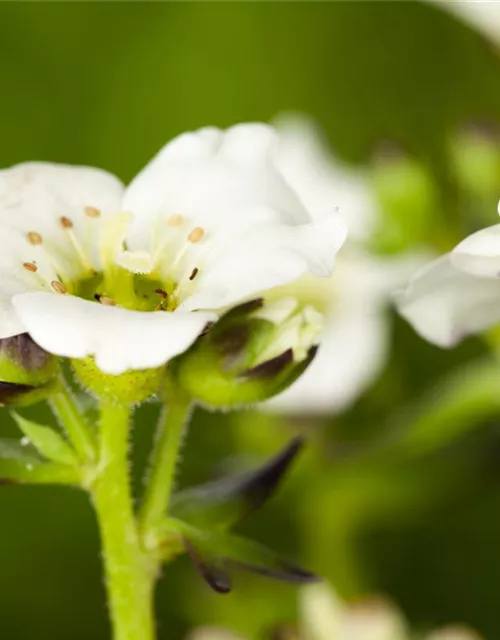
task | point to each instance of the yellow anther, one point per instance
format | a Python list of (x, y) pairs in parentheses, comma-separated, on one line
[(176, 220), (109, 302), (34, 238), (92, 212), (30, 266), (65, 222), (58, 287), (196, 235)]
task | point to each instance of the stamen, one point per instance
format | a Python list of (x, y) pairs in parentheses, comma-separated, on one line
[(30, 266), (164, 297), (92, 212), (65, 222), (176, 220), (58, 287), (194, 273), (196, 235), (34, 238), (109, 302)]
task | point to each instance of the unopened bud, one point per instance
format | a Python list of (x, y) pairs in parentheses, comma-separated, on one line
[(26, 371), (252, 353)]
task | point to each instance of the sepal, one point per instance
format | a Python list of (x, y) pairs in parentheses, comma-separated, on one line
[(225, 502)]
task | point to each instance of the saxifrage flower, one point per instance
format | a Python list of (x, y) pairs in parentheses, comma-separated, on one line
[(131, 276)]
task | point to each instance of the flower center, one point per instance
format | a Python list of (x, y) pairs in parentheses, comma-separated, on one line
[(100, 267)]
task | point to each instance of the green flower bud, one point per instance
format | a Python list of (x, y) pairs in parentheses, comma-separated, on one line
[(252, 353), (27, 372)]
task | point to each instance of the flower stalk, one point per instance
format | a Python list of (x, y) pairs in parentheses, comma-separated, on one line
[(171, 428), (129, 572)]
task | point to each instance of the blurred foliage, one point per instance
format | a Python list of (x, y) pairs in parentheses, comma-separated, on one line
[(106, 85)]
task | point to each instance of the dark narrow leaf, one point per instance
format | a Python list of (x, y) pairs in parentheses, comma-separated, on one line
[(214, 553), (213, 575), (229, 500), (259, 559)]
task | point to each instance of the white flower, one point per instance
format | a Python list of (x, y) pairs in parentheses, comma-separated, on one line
[(326, 617), (132, 276), (458, 294), (483, 15), (354, 343)]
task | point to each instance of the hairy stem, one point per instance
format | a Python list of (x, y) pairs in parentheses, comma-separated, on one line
[(171, 427), (130, 573)]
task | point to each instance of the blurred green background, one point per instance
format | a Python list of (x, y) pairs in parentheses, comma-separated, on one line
[(106, 85)]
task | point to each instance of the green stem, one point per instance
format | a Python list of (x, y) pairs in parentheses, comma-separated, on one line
[(129, 573), (171, 427), (71, 417)]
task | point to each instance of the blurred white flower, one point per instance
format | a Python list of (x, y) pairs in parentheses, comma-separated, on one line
[(212, 633), (354, 344), (85, 263), (482, 15), (323, 616), (457, 294), (326, 617)]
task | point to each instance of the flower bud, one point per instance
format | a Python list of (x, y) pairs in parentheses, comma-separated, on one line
[(26, 371), (252, 353)]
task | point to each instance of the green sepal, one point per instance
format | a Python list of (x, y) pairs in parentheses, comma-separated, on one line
[(130, 387), (225, 502), (47, 441), (23, 464), (27, 372)]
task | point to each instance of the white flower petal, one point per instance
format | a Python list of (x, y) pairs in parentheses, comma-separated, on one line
[(209, 176), (352, 350), (118, 338), (483, 15), (33, 198), (453, 633), (263, 257), (354, 343), (321, 181), (445, 304), (479, 253)]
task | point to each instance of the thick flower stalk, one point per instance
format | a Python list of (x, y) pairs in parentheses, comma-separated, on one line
[(127, 284)]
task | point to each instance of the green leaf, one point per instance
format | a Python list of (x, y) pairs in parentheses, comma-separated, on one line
[(20, 463), (47, 441)]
